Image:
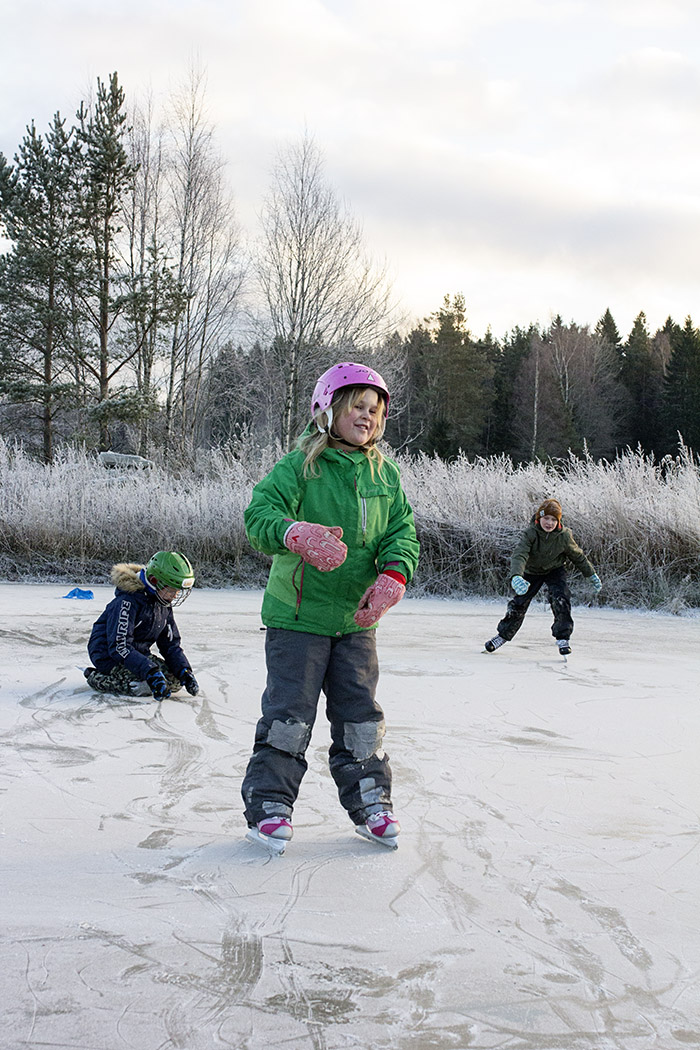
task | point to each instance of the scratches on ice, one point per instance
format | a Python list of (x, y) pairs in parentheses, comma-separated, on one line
[(544, 896)]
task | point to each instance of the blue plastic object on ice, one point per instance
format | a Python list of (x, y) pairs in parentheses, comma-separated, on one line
[(78, 593)]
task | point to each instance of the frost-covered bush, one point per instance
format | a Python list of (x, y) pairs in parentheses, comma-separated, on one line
[(78, 517), (637, 519)]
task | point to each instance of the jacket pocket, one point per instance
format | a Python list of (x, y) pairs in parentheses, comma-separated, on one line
[(374, 513)]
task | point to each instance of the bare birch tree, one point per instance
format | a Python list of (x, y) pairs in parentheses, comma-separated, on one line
[(206, 260), (320, 290), (154, 298), (569, 397)]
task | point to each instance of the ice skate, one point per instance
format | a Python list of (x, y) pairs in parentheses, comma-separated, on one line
[(382, 828), (273, 833), (494, 643), (564, 646)]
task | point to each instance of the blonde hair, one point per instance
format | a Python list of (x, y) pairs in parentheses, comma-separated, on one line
[(314, 443)]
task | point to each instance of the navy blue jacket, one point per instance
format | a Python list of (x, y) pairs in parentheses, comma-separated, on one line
[(132, 622)]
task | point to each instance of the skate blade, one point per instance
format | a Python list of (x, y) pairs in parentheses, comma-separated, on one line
[(365, 833), (276, 847)]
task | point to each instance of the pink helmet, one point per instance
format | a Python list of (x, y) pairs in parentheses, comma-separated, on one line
[(345, 374)]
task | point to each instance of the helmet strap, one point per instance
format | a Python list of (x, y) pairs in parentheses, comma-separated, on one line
[(329, 418), (350, 444), (153, 588), (146, 582)]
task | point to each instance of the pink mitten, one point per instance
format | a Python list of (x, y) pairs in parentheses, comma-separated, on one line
[(320, 545), (384, 592)]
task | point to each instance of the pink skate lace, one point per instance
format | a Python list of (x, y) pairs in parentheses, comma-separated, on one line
[(384, 824)]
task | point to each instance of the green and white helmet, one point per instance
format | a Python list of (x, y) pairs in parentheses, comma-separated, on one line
[(172, 570)]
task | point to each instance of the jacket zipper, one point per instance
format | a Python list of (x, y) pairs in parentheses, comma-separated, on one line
[(363, 509), (300, 588)]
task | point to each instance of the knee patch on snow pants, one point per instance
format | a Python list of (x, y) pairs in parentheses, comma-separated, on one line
[(364, 739), (290, 736)]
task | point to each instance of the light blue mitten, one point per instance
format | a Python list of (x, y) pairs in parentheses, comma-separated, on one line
[(596, 582), (519, 585)]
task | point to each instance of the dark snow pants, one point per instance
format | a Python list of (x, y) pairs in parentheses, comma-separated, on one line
[(299, 667), (559, 597)]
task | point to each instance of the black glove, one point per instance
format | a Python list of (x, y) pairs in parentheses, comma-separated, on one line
[(159, 684), (190, 682)]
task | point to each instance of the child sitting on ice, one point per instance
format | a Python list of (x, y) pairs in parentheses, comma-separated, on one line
[(141, 614), (539, 560)]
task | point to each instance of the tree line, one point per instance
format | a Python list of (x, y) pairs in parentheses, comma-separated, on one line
[(135, 316)]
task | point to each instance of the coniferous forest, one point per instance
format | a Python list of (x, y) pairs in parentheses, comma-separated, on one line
[(137, 316)]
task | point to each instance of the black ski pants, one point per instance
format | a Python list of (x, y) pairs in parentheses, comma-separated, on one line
[(559, 597), (299, 667)]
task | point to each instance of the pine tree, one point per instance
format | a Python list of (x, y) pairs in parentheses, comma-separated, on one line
[(450, 388), (38, 277), (106, 176)]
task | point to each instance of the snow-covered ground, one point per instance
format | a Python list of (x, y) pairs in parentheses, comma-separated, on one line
[(545, 895)]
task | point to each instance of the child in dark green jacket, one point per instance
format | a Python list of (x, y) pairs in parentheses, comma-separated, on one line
[(539, 560), (334, 517)]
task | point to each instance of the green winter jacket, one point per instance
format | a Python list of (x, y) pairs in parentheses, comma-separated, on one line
[(378, 529), (538, 552)]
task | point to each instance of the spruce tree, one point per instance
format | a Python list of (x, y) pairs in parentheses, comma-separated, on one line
[(607, 330), (682, 389), (513, 351), (642, 377)]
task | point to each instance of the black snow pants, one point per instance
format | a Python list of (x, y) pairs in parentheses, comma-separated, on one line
[(299, 667), (559, 597)]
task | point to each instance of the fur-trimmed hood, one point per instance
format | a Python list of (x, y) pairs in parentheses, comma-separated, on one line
[(126, 577)]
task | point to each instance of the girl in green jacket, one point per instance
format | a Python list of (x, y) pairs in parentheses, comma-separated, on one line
[(334, 517)]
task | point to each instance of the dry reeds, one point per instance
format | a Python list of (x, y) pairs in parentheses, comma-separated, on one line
[(637, 519)]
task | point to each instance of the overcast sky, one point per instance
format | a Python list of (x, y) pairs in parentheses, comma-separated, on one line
[(539, 156)]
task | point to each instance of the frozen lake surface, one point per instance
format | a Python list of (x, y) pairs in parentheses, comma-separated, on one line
[(545, 894)]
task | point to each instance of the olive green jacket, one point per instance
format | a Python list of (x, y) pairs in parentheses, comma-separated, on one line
[(538, 552), (378, 529)]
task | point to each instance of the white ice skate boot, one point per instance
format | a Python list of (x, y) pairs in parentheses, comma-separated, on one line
[(273, 833), (382, 828), (564, 646)]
